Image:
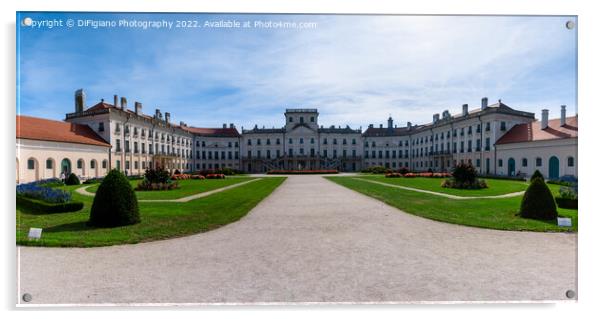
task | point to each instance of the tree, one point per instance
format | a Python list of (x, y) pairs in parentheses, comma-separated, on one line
[(538, 202), (115, 203), (535, 175), (72, 179)]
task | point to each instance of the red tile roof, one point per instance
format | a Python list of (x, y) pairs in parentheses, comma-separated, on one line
[(34, 128), (532, 131), (215, 132)]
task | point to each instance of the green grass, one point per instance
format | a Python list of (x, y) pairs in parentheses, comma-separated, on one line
[(187, 187), (486, 213), (159, 220), (495, 186)]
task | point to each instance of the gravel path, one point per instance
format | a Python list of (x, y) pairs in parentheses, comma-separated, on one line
[(84, 191), (311, 241), (442, 194)]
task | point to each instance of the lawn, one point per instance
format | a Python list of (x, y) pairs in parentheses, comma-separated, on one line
[(499, 213), (159, 220), (495, 186), (187, 187)]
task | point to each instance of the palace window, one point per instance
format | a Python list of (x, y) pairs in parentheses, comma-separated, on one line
[(49, 163), (104, 164), (80, 163), (571, 161), (524, 162), (31, 163), (503, 126), (101, 127)]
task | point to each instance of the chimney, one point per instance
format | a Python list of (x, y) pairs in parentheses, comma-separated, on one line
[(137, 108), (157, 114), (80, 100), (390, 122), (562, 115), (167, 116), (371, 126), (544, 119), (435, 118), (445, 114), (124, 103), (231, 125), (484, 103), (464, 109), (182, 124), (115, 99), (409, 124), (224, 125), (381, 126)]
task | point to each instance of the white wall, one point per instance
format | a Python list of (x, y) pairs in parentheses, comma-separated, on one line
[(561, 148), (40, 151)]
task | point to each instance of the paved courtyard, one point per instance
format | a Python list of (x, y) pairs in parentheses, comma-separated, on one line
[(311, 241)]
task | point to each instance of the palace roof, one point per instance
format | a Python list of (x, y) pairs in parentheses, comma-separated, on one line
[(212, 132), (532, 131), (34, 128)]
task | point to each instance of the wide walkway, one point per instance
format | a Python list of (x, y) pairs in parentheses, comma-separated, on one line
[(311, 241)]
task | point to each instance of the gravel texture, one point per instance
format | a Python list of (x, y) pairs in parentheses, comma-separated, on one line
[(311, 241)]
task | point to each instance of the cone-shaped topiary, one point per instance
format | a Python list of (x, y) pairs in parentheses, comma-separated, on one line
[(115, 203), (72, 180), (538, 202), (535, 175)]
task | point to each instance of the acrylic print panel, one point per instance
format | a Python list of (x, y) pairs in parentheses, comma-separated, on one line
[(198, 158)]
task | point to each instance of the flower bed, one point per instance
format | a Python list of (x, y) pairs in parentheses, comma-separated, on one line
[(179, 177), (35, 190), (215, 176), (464, 177), (304, 172), (393, 175), (157, 180)]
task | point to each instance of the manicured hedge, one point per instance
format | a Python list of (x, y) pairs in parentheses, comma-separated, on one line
[(538, 202), (115, 203), (39, 206), (72, 179), (566, 203)]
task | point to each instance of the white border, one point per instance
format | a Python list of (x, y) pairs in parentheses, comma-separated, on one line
[(589, 94)]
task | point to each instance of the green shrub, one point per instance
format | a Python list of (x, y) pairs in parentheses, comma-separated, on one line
[(567, 203), (464, 173), (42, 207), (535, 175), (72, 179), (115, 203), (538, 202), (567, 198), (464, 176)]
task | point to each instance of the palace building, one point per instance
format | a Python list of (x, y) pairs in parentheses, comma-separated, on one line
[(495, 138)]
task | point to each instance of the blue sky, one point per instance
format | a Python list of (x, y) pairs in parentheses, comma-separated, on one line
[(356, 70)]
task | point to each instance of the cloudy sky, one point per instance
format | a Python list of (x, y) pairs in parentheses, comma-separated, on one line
[(356, 70)]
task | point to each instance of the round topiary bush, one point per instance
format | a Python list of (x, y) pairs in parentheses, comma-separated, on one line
[(535, 175), (72, 179), (538, 202), (115, 203)]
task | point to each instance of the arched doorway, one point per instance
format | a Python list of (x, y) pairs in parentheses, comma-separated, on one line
[(66, 166), (553, 168), (511, 167)]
